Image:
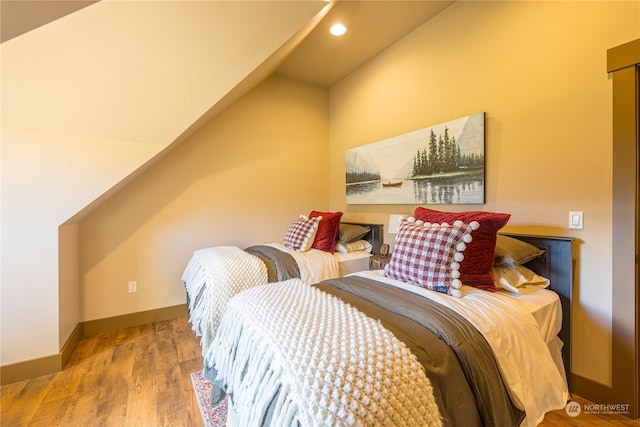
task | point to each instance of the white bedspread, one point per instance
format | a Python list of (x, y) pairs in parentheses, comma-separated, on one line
[(532, 378), (212, 277), (318, 361)]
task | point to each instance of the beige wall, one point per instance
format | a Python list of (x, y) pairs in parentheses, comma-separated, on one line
[(47, 178), (69, 279), (538, 70), (240, 180), (85, 106)]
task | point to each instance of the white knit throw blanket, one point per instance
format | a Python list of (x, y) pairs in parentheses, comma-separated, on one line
[(212, 277), (324, 362)]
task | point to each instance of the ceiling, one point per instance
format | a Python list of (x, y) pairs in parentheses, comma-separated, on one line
[(322, 59), (372, 26), (18, 17)]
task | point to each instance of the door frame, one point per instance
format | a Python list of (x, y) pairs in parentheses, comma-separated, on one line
[(623, 64)]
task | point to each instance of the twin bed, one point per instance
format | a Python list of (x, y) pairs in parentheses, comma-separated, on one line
[(370, 349), (215, 274)]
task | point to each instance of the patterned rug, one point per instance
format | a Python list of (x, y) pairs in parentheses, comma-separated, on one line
[(212, 417)]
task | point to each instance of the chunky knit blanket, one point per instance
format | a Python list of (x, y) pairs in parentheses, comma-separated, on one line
[(305, 357), (209, 289)]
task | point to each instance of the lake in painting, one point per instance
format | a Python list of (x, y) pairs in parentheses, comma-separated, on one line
[(452, 190), (441, 164)]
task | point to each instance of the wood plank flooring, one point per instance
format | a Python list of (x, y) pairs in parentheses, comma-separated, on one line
[(562, 419), (141, 377), (133, 377)]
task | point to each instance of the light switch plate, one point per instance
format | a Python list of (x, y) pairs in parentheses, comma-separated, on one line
[(576, 220)]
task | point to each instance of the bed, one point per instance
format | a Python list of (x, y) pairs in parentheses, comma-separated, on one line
[(215, 274), (354, 261), (344, 351)]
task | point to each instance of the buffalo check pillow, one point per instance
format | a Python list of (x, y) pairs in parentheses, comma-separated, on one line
[(429, 255), (302, 233), (476, 270)]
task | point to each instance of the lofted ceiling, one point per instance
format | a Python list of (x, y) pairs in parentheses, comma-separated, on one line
[(322, 59), (372, 26), (105, 87), (18, 17)]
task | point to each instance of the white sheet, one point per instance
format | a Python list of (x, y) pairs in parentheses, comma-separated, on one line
[(352, 262), (532, 378), (543, 304), (315, 265)]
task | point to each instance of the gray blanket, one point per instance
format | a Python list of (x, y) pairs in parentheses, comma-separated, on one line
[(459, 362), (280, 265)]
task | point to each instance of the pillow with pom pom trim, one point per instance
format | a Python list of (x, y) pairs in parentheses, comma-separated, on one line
[(476, 270), (302, 233), (429, 255)]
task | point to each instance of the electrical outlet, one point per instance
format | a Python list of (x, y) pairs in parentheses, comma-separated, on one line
[(133, 287)]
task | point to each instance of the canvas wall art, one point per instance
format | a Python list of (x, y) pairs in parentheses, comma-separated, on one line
[(439, 164)]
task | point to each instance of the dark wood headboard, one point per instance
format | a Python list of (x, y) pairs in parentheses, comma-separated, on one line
[(375, 236), (556, 264)]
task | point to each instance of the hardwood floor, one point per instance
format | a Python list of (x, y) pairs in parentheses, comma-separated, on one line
[(141, 377), (562, 419), (133, 377)]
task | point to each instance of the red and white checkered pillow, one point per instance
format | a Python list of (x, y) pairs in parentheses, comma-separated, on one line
[(429, 255), (302, 233)]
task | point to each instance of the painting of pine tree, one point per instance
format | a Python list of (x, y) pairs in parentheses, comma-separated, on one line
[(439, 164)]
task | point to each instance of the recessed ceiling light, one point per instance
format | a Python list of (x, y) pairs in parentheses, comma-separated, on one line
[(338, 29)]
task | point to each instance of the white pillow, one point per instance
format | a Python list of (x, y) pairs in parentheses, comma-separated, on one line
[(519, 280), (358, 245)]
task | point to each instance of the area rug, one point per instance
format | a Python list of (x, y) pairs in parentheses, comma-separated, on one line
[(211, 417)]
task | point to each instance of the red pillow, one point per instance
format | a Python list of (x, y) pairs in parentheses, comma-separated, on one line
[(328, 230), (475, 270)]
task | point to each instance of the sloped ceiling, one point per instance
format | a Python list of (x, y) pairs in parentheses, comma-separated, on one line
[(139, 71), (18, 17), (372, 26), (152, 72)]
